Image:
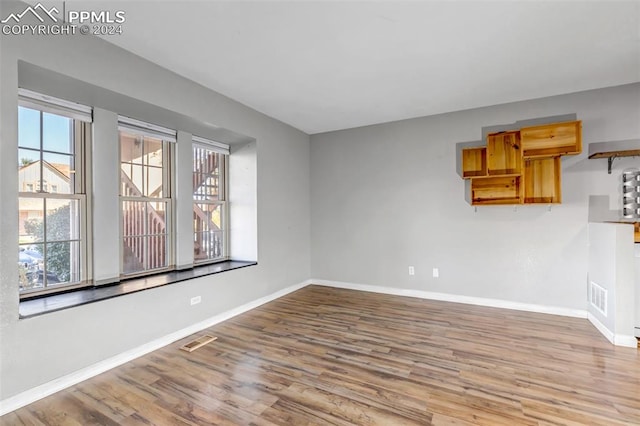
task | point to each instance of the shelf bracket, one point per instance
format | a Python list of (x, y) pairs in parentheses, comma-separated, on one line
[(610, 163)]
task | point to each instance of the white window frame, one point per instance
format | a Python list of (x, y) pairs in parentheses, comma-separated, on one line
[(223, 191), (168, 136), (82, 118)]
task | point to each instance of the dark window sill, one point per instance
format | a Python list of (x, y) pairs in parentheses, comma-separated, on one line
[(57, 302)]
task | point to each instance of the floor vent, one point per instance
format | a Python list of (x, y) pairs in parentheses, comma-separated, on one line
[(598, 298), (198, 343)]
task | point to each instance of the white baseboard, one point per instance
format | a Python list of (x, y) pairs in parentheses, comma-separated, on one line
[(616, 339), (624, 340), (608, 334), (49, 388), (446, 297)]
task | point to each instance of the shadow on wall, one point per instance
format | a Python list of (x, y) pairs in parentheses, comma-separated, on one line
[(599, 209)]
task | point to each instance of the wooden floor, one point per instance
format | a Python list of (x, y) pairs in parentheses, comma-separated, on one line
[(327, 356)]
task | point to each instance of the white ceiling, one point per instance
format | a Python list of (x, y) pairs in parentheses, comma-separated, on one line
[(329, 65)]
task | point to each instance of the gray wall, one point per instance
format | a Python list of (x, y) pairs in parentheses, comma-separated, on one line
[(388, 196), (37, 350), (602, 268)]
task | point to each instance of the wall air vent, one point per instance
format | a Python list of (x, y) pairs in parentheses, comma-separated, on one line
[(598, 297)]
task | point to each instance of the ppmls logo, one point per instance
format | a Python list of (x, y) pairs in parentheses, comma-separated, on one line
[(51, 23), (33, 11)]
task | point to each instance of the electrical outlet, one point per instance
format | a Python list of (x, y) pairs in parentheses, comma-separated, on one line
[(196, 300), (412, 270), (436, 273)]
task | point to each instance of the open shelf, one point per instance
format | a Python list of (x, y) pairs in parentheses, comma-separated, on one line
[(474, 162), (496, 190), (504, 154), (613, 150), (551, 140), (627, 153), (542, 181), (520, 166)]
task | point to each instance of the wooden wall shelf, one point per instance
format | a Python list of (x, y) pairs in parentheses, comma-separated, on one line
[(542, 181), (503, 153), (497, 190), (521, 166), (552, 139), (475, 161), (614, 149)]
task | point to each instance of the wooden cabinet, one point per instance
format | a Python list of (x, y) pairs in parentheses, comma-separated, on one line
[(552, 139), (521, 166), (504, 156), (474, 162), (542, 181), (505, 189)]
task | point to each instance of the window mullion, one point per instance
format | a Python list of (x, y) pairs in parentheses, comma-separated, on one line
[(145, 236), (222, 184), (44, 245), (40, 185), (145, 169)]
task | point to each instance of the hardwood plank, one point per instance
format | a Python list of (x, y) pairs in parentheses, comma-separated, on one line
[(20, 418), (325, 356), (338, 409), (443, 420)]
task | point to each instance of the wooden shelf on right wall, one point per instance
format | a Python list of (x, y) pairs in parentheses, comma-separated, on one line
[(613, 150)]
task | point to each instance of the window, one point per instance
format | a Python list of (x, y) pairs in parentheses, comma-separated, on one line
[(209, 201), (145, 196), (52, 224)]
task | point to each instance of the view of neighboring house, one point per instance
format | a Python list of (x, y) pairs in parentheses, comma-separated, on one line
[(56, 178)]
